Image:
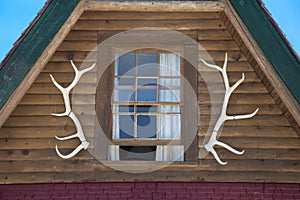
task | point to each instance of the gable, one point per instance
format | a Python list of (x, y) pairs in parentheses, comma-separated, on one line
[(30, 50), (270, 138)]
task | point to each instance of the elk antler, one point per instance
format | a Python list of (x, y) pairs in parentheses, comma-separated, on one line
[(68, 112), (209, 146)]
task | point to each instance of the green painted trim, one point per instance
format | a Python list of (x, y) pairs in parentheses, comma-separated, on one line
[(33, 45), (271, 42)]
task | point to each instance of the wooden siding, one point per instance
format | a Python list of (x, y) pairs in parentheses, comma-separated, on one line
[(272, 150)]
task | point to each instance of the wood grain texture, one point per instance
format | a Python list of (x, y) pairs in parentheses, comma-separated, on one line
[(27, 140)]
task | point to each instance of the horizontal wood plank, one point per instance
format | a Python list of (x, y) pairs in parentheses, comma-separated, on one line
[(9, 144), (78, 46), (258, 154), (49, 88), (190, 7), (31, 110), (38, 154), (271, 109), (250, 77), (249, 87), (271, 132), (48, 121), (111, 15), (42, 132), (257, 143), (167, 175), (56, 99), (218, 45), (205, 165), (208, 34), (80, 56), (232, 66), (34, 110), (132, 24), (52, 67), (260, 120), (82, 36), (219, 55), (250, 154), (238, 99), (65, 77), (89, 120)]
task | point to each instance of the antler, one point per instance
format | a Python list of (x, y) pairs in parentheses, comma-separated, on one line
[(66, 91), (68, 112), (209, 146)]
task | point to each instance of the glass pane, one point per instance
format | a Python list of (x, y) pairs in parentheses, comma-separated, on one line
[(147, 64), (170, 109), (146, 109), (169, 90), (170, 64), (147, 90), (124, 89), (170, 126), (146, 126), (125, 126), (125, 64), (125, 109), (177, 153), (138, 153)]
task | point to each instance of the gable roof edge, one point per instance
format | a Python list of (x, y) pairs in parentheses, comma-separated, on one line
[(17, 76), (268, 68), (271, 41)]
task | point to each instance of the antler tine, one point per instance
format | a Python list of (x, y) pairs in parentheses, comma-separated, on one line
[(87, 69), (232, 88), (229, 148), (224, 74), (72, 154), (67, 137), (74, 66), (56, 84), (214, 153), (211, 65), (78, 74), (65, 92), (247, 116)]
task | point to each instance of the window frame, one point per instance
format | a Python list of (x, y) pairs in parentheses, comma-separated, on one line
[(104, 93)]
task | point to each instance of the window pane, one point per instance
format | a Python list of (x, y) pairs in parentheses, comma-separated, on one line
[(147, 64), (170, 126), (124, 89), (146, 109), (123, 126), (169, 90), (146, 126), (125, 109), (125, 64), (177, 153), (169, 64), (147, 90), (137, 153), (170, 109)]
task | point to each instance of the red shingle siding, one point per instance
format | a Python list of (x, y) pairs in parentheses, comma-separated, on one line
[(151, 190)]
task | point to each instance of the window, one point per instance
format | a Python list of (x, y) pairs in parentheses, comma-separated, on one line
[(143, 106), (146, 105)]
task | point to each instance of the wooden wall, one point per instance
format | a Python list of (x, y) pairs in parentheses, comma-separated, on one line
[(27, 143)]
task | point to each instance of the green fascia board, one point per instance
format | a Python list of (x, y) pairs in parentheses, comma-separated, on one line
[(271, 42), (33, 45)]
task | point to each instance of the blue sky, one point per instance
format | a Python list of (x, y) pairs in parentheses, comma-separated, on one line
[(16, 15)]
